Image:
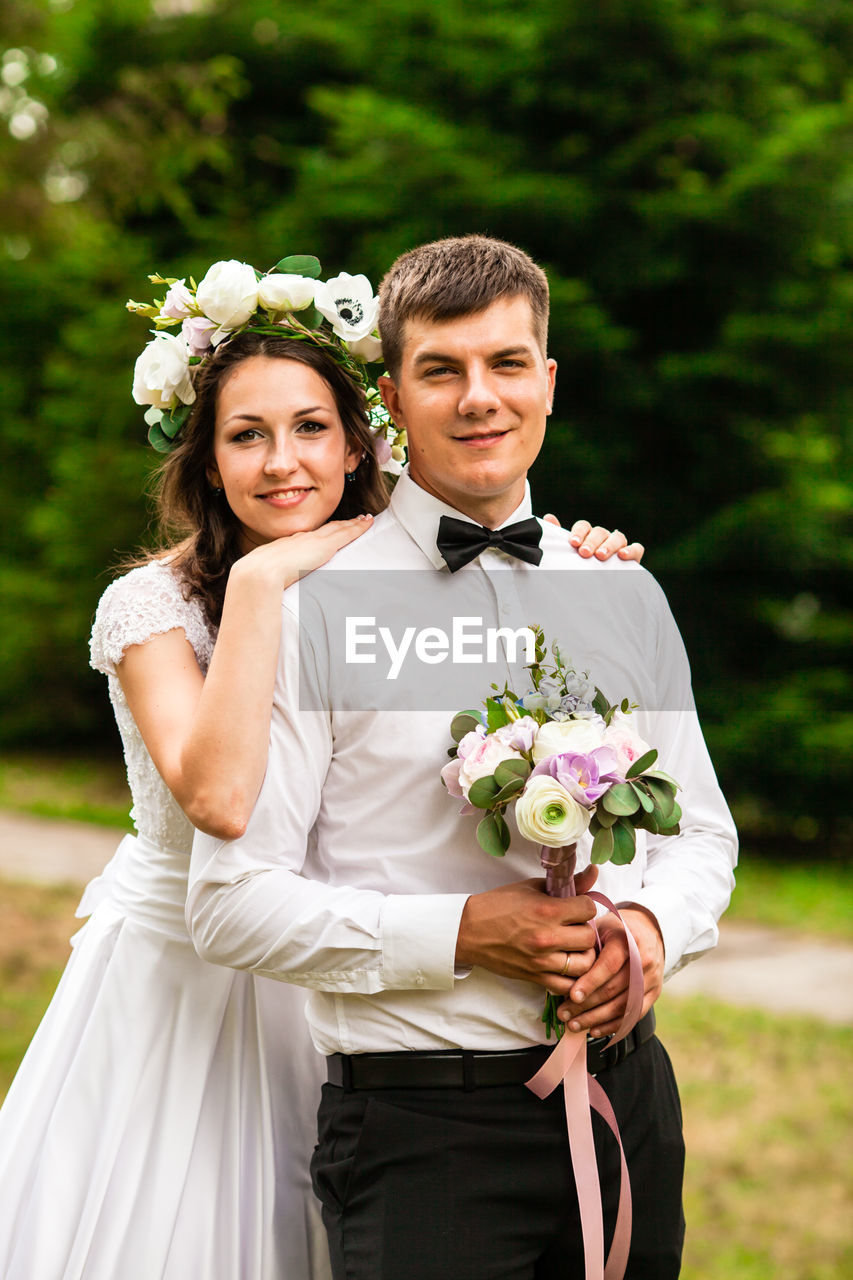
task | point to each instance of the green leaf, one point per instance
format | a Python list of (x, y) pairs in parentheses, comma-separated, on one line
[(299, 264), (672, 820), (493, 834), (158, 440), (509, 770), (496, 716), (664, 777), (602, 845), (600, 704), (508, 790), (483, 793), (640, 766), (624, 843), (662, 794), (620, 799), (603, 818), (643, 796), (464, 722)]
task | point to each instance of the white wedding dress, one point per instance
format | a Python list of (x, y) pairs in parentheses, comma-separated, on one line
[(162, 1120)]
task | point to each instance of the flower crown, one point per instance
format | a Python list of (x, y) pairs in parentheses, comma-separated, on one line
[(339, 315)]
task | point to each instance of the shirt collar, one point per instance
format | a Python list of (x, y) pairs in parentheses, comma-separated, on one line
[(419, 513)]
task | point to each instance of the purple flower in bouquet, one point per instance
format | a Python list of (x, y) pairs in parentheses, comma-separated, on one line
[(585, 775)]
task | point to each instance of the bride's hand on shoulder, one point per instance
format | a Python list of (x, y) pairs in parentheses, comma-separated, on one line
[(285, 559), (597, 541)]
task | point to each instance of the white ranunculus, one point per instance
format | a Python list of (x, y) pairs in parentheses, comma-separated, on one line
[(283, 291), (162, 373), (348, 304), (547, 814), (556, 737), (228, 294), (368, 348)]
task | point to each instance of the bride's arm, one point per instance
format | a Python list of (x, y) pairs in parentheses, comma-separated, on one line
[(208, 737)]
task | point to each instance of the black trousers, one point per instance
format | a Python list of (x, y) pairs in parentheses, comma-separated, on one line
[(439, 1184)]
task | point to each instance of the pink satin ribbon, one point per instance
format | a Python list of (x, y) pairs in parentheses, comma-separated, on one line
[(583, 1094)]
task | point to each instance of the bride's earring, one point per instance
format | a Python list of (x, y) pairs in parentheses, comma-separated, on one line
[(350, 475)]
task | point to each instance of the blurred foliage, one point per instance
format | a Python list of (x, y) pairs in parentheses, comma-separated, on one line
[(682, 168)]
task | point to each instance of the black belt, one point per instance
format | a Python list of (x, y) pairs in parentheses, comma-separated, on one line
[(469, 1068)]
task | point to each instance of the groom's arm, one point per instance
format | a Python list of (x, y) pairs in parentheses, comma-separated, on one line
[(688, 878)]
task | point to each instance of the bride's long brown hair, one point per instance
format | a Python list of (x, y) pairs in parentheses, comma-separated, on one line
[(199, 528)]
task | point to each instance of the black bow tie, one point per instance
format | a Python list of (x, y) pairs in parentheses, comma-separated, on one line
[(460, 542)]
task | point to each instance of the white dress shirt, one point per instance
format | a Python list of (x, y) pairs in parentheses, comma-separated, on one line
[(356, 863)]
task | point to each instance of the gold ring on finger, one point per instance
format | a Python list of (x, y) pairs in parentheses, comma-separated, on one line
[(565, 970)]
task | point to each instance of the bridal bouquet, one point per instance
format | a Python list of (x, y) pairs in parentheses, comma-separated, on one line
[(570, 762)]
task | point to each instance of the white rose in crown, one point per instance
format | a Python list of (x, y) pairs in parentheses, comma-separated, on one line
[(546, 814), (228, 294), (281, 291), (348, 304), (162, 373), (368, 348), (557, 737)]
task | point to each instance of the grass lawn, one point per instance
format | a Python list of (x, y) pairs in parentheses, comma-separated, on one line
[(766, 1108), (86, 789)]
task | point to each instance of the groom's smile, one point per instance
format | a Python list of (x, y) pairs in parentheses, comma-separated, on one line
[(473, 394)]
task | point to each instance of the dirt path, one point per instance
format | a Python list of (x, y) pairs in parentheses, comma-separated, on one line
[(752, 966)]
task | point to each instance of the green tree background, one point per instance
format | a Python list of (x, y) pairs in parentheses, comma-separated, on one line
[(683, 169)]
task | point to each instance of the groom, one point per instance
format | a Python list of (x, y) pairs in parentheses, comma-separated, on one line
[(357, 877)]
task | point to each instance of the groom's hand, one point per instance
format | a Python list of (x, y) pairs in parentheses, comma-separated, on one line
[(597, 1003), (519, 932)]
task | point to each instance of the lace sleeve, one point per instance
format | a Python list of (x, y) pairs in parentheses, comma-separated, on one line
[(146, 602)]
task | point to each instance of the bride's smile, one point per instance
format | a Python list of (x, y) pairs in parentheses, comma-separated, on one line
[(280, 448)]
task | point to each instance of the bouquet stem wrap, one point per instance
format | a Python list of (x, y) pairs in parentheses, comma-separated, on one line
[(583, 1094), (559, 866)]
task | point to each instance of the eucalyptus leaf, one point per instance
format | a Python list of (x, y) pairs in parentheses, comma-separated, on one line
[(620, 799), (483, 792), (640, 766), (603, 818), (158, 440), (464, 722), (299, 264), (662, 794), (672, 820), (508, 790), (624, 843), (170, 426), (663, 777), (643, 796), (602, 845), (493, 835), (509, 770)]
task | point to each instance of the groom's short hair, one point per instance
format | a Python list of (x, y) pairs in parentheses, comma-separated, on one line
[(456, 277)]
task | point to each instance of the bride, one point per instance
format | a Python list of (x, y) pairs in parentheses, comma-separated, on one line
[(161, 1122)]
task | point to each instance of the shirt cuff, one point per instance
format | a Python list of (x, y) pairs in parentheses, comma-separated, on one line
[(668, 907), (419, 933)]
